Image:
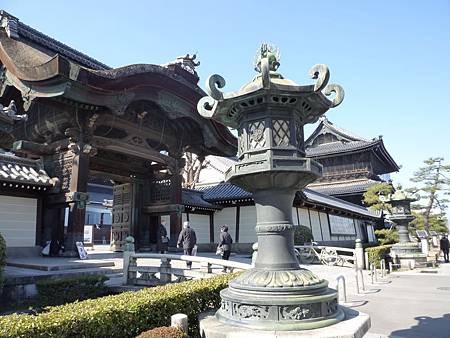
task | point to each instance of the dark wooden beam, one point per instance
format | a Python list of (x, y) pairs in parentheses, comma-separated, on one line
[(211, 227), (238, 216)]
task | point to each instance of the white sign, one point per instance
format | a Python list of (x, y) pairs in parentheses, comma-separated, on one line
[(342, 225), (88, 234), (81, 251)]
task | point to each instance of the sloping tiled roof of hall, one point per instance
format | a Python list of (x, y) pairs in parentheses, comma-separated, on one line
[(193, 198), (227, 191), (339, 147), (343, 187), (17, 170)]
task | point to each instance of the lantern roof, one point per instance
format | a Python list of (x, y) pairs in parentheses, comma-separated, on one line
[(271, 89)]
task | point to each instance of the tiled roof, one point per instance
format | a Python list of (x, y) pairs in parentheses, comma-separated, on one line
[(21, 171), (41, 39), (193, 198), (227, 191), (339, 147), (316, 197), (343, 188)]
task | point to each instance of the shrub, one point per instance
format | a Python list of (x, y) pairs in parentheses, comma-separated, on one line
[(163, 332), (66, 290), (302, 235), (387, 236), (377, 253), (2, 260), (123, 315)]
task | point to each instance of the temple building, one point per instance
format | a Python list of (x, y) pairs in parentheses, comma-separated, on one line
[(84, 143), (74, 118), (351, 164)]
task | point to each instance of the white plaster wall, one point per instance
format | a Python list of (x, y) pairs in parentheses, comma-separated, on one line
[(294, 216), (247, 223), (304, 217), (371, 233), (315, 225), (358, 224), (325, 227), (18, 221), (200, 224), (225, 216)]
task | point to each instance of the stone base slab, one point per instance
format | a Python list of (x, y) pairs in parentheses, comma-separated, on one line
[(355, 325)]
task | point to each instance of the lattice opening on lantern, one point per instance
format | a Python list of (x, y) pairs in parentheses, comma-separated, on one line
[(306, 106), (281, 133)]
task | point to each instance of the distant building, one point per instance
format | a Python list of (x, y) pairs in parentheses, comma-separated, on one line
[(351, 163)]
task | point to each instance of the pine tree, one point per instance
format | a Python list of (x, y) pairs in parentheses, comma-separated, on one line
[(432, 183), (375, 196)]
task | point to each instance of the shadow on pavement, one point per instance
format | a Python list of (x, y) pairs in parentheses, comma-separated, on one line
[(426, 327)]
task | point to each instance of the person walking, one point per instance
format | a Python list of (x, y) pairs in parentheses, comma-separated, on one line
[(163, 240), (187, 239), (444, 245), (225, 242)]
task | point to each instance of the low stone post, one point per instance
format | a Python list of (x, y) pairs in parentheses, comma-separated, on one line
[(359, 253), (180, 320), (127, 253), (165, 271), (424, 245), (205, 267), (255, 253), (340, 285)]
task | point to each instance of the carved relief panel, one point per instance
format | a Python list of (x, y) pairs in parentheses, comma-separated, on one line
[(256, 137), (121, 215)]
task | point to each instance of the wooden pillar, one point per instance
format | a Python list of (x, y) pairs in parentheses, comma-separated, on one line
[(77, 209), (238, 217), (176, 188), (211, 227)]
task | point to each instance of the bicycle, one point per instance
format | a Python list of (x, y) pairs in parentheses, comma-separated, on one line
[(309, 253)]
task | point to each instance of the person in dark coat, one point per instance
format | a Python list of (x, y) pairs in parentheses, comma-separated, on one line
[(187, 239), (444, 244), (163, 240), (225, 242)]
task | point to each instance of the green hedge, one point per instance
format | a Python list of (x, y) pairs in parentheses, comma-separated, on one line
[(123, 315), (163, 332), (66, 290), (2, 260), (377, 253), (302, 235)]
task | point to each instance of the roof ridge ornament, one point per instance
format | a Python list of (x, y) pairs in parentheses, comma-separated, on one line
[(11, 112), (10, 24), (270, 52)]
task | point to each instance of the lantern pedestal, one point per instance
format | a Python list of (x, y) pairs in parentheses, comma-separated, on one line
[(355, 325)]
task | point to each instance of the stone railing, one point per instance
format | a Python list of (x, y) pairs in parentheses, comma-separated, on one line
[(149, 269)]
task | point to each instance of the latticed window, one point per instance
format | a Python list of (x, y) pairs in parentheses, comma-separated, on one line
[(281, 133), (160, 191)]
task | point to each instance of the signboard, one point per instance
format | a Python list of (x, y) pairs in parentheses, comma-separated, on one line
[(342, 226), (88, 235), (422, 234), (81, 251)]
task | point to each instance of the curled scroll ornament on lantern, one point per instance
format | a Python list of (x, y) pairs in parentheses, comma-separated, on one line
[(320, 73), (206, 104), (214, 82), (337, 90)]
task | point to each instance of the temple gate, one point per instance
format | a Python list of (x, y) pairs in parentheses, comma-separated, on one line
[(130, 125)]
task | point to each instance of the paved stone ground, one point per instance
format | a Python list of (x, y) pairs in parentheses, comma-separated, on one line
[(407, 305)]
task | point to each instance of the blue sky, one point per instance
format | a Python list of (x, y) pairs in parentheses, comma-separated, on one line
[(391, 57)]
